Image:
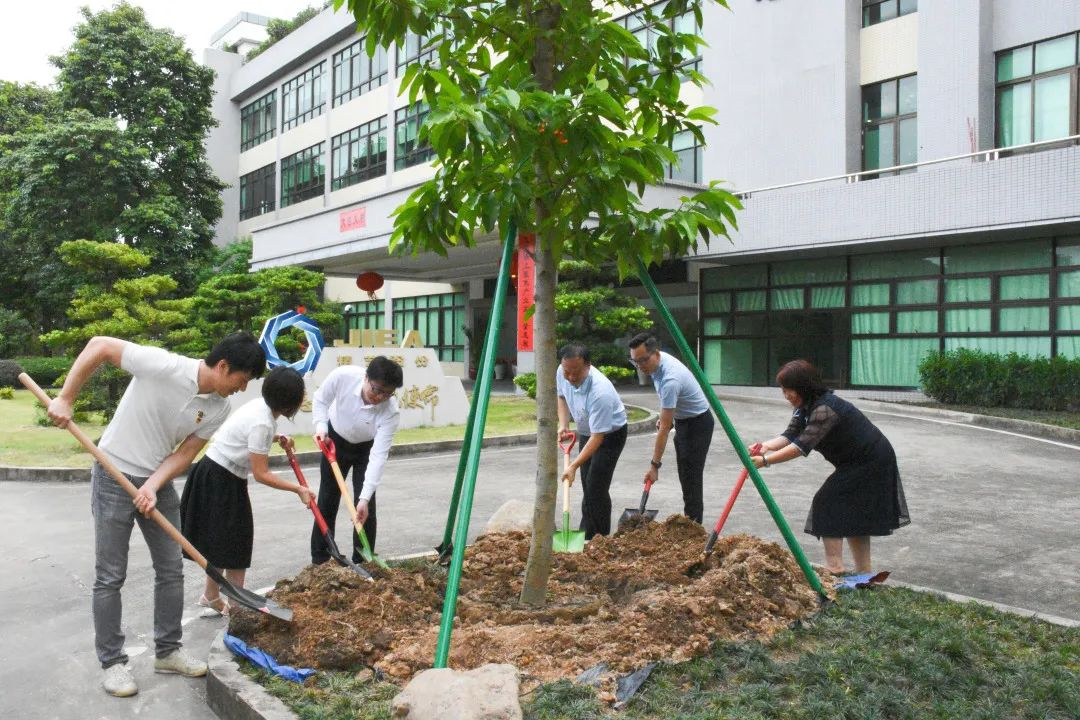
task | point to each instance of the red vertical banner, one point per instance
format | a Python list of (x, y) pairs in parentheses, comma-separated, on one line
[(526, 290)]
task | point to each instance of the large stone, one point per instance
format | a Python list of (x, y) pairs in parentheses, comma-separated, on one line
[(513, 515), (489, 692)]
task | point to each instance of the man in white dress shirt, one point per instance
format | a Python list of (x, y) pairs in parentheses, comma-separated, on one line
[(355, 407)]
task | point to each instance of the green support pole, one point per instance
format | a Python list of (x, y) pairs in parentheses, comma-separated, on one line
[(447, 544), (736, 442), (482, 393)]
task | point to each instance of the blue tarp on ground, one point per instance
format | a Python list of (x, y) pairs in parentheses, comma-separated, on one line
[(264, 660), (859, 581)]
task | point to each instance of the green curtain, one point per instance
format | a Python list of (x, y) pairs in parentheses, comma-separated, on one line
[(918, 321), (1030, 346), (1024, 287), (715, 326), (827, 297), (917, 292), (894, 265), (1052, 107), (1069, 347), (870, 323), (729, 278), (787, 299), (889, 362), (863, 295), (967, 320), (1068, 318), (1024, 319), (716, 302), (736, 362), (967, 290), (749, 301), (993, 257), (796, 272)]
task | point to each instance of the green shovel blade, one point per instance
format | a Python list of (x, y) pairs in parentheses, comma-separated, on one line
[(567, 540)]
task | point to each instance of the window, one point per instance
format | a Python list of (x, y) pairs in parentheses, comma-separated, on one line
[(439, 320), (878, 11), (889, 123), (648, 35), (257, 192), (258, 121), (302, 176), (408, 150), (355, 73), (415, 50), (359, 154), (364, 315), (688, 167), (1036, 92), (302, 97)]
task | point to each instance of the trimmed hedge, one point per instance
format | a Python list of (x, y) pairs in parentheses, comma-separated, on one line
[(527, 382), (973, 377), (44, 370)]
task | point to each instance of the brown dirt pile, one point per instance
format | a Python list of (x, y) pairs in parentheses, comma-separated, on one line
[(637, 597)]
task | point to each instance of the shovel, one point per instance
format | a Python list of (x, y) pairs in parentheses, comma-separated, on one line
[(630, 514), (327, 448), (323, 528), (730, 503), (244, 597), (567, 540)]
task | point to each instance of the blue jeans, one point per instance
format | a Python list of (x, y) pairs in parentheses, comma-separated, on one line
[(114, 516)]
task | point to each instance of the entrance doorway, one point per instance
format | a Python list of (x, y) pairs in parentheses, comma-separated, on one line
[(822, 337)]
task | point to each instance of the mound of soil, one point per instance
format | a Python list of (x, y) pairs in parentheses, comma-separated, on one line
[(640, 596)]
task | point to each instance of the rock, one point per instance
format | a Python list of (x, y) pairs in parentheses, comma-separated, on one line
[(489, 692), (513, 515)]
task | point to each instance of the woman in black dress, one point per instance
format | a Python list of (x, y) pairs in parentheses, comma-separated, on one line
[(863, 497)]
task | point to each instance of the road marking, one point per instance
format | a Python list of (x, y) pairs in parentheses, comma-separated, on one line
[(976, 427)]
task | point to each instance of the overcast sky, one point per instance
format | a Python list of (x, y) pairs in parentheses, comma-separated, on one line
[(32, 31)]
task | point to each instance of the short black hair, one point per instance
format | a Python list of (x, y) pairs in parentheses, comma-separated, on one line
[(386, 372), (573, 351), (647, 339), (242, 352), (283, 390)]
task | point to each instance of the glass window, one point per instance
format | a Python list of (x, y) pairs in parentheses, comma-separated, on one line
[(1024, 287), (967, 290), (797, 272), (1036, 99), (646, 32), (748, 324), (967, 320), (736, 362), (1068, 251), (892, 362), (716, 302), (359, 154), (302, 98), (1014, 115), (1069, 284), (1024, 319), (870, 323), (1068, 318), (750, 301), (897, 264), (1013, 64), (437, 323), (1029, 346), (863, 295), (917, 292), (257, 192), (878, 11), (729, 278), (302, 176), (688, 167), (365, 315), (787, 299), (1052, 107), (355, 73), (408, 149), (1055, 54), (258, 121), (1028, 254), (1069, 347), (919, 321), (890, 134), (827, 297), (415, 49), (715, 326)]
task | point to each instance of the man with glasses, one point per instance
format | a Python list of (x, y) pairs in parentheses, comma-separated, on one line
[(588, 396), (355, 408), (682, 404)]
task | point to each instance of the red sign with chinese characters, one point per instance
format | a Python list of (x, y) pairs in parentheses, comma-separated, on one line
[(352, 219), (526, 290)]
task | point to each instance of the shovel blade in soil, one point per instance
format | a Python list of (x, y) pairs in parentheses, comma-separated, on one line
[(248, 599), (633, 515), (567, 540)]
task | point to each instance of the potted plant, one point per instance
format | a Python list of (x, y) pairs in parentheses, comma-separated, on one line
[(501, 366)]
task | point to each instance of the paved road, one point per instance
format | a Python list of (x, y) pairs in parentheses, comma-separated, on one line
[(995, 516)]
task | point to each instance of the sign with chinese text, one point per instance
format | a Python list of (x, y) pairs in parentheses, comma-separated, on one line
[(352, 219), (526, 287)]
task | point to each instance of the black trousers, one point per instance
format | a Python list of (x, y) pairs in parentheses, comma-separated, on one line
[(692, 439), (596, 473), (350, 456)]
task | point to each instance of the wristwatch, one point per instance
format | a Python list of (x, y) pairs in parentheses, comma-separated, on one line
[(656, 464)]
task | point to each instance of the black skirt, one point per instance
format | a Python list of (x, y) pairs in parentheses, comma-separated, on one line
[(861, 498), (215, 515)]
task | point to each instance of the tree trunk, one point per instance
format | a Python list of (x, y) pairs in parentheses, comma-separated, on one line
[(534, 592)]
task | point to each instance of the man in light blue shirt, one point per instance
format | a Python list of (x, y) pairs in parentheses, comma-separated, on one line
[(682, 404), (587, 396)]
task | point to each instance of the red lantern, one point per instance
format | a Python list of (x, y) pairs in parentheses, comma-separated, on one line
[(369, 282)]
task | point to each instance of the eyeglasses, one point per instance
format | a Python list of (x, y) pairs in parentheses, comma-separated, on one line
[(380, 390), (638, 361)]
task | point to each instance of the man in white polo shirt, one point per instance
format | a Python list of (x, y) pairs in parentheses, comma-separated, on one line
[(586, 395), (168, 412), (355, 407)]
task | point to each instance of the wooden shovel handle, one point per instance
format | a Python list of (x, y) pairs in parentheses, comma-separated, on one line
[(117, 475), (328, 451)]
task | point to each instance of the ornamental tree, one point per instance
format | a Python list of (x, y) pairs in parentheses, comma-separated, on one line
[(551, 113)]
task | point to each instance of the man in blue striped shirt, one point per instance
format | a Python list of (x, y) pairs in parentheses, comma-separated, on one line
[(684, 406), (587, 396)]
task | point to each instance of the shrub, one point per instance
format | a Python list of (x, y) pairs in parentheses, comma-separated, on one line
[(46, 371), (973, 377), (618, 375), (7, 393), (527, 382), (80, 412), (9, 374)]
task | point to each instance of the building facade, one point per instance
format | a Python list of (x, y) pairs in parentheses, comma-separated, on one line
[(909, 171)]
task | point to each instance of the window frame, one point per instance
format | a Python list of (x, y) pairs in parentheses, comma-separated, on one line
[(422, 151), (421, 55), (697, 160), (894, 120), (248, 182), (353, 61), (898, 12), (636, 24), (249, 120), (350, 142), (407, 310), (308, 86), (1073, 71), (315, 187)]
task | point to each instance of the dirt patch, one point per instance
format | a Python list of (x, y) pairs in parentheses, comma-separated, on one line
[(640, 596)]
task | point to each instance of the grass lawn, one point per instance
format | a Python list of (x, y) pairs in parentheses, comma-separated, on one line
[(883, 653), (24, 443), (1061, 418)]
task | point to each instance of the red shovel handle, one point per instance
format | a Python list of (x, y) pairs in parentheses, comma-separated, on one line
[(319, 520), (569, 443), (327, 447), (735, 492)]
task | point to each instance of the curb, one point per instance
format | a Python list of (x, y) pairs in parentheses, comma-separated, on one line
[(233, 695), (1010, 609), (82, 474)]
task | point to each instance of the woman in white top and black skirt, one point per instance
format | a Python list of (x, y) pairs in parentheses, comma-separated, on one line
[(215, 510), (863, 496)]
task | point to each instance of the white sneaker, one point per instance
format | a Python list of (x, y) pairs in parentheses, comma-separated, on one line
[(119, 682), (181, 663)]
